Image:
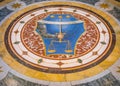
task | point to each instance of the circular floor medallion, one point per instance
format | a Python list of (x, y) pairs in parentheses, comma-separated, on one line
[(60, 39)]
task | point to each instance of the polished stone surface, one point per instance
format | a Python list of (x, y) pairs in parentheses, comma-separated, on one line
[(94, 58)]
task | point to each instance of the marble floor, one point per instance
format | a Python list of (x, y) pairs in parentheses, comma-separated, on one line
[(59, 42)]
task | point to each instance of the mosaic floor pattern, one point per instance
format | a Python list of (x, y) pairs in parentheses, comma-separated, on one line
[(59, 43)]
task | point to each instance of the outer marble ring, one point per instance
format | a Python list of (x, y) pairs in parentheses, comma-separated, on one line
[(75, 78)]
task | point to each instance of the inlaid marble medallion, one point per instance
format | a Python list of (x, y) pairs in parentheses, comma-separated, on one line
[(60, 39)]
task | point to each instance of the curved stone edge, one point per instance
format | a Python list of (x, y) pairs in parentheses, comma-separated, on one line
[(110, 70)]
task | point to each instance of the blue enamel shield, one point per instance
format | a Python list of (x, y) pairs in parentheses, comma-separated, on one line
[(60, 33)]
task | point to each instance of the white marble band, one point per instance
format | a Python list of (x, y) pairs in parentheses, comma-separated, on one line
[(59, 23)]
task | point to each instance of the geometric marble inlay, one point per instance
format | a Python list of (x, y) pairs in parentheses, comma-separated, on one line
[(59, 43), (59, 39)]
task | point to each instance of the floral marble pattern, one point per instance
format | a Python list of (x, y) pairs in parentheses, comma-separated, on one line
[(103, 5), (15, 5)]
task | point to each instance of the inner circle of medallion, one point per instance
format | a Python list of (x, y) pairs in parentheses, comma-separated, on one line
[(77, 52)]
